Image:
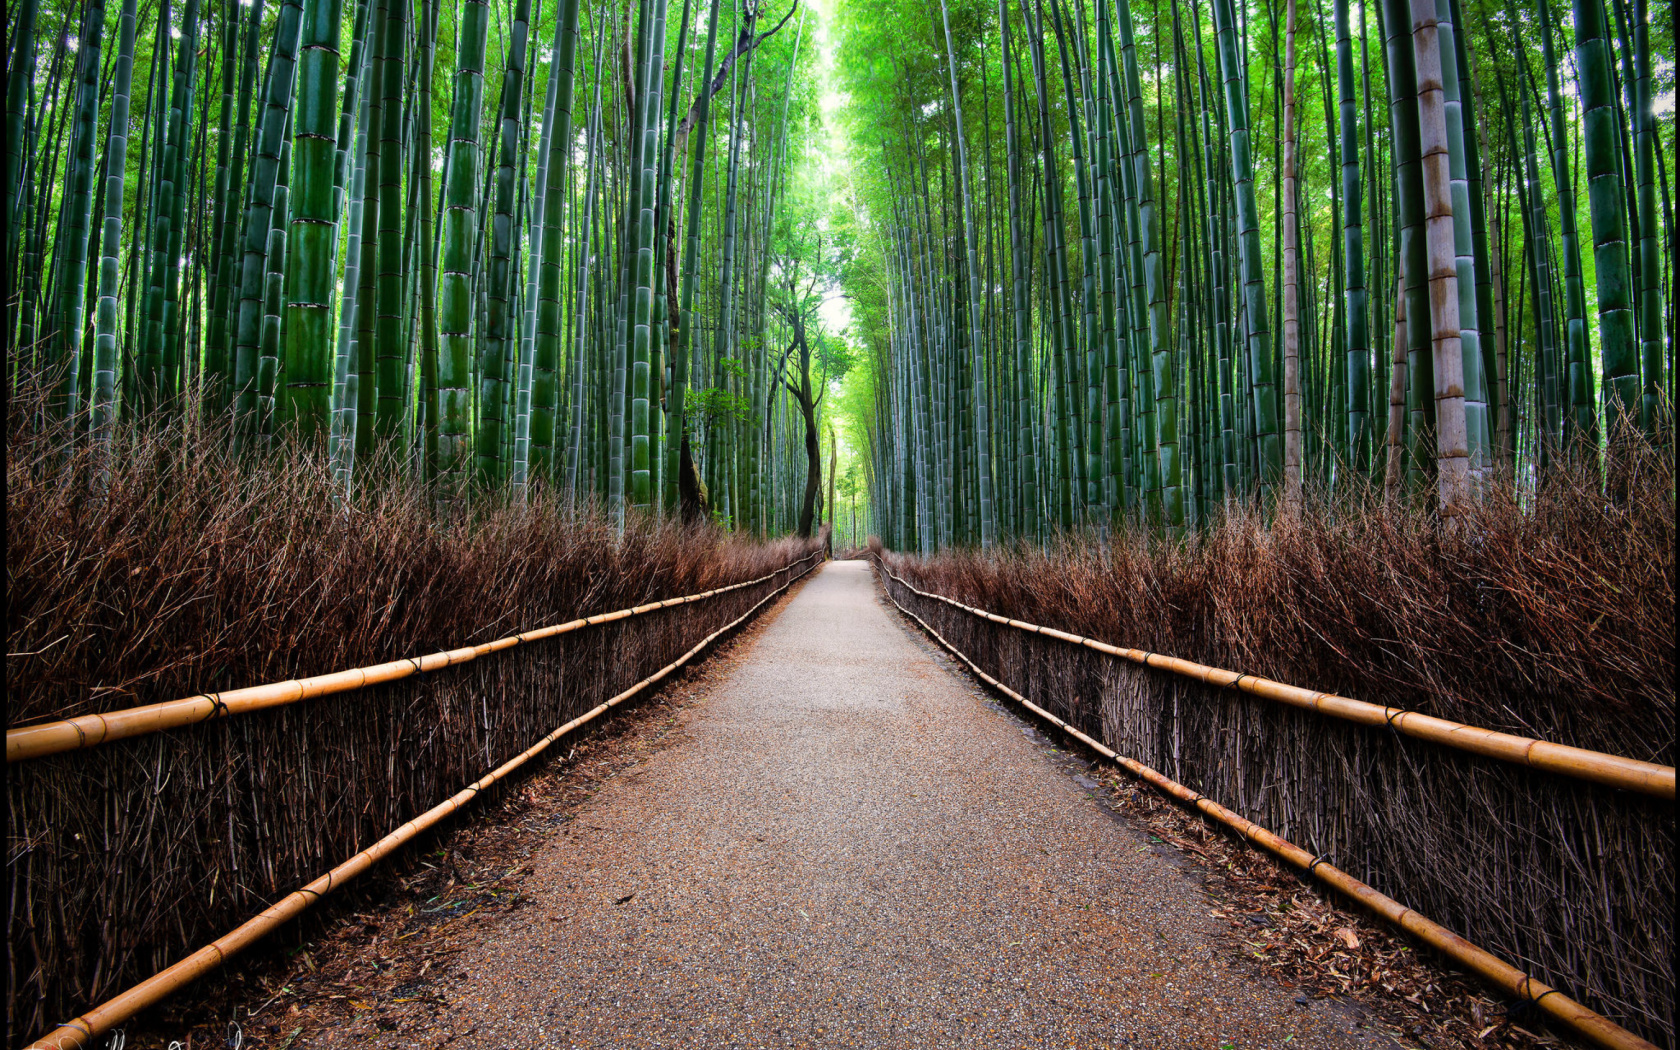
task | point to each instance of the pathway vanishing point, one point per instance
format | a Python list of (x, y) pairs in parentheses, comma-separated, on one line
[(852, 847)]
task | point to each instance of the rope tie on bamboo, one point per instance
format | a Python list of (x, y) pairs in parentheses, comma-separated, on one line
[(1529, 998), (1322, 858), (77, 1024), (218, 706)]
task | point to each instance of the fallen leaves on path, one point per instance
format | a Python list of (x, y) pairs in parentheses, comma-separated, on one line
[(1317, 947)]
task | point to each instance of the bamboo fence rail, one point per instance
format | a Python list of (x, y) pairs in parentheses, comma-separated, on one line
[(1647, 778), (1502, 975), (83, 731), (101, 1019)]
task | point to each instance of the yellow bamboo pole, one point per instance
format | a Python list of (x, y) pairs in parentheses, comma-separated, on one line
[(84, 731), (1646, 778), (1485, 964), (159, 986)]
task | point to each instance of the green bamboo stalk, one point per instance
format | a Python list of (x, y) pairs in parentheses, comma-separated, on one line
[(492, 373), (1020, 304), (546, 345), (391, 348), (1353, 255), (579, 358), (459, 265), (76, 213), (1291, 283), (346, 378), (268, 343), (691, 267), (20, 86), (1087, 412), (314, 229), (1261, 371), (1063, 424), (1469, 233), (1413, 262), (1537, 239), (224, 303), (1164, 367), (1607, 209), (105, 354), (1580, 423), (982, 422), (265, 171), (726, 282), (519, 477), (215, 361), (181, 117), (366, 364), (1116, 493), (1650, 261), (151, 384), (643, 190), (428, 276), (662, 278)]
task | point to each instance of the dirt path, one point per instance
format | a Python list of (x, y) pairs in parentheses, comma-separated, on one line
[(851, 848)]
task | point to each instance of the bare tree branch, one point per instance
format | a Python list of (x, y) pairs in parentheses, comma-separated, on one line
[(744, 43)]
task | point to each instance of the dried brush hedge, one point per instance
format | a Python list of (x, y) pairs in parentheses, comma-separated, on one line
[(1553, 619), (197, 573)]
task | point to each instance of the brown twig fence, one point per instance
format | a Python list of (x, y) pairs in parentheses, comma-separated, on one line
[(1571, 880), (125, 859)]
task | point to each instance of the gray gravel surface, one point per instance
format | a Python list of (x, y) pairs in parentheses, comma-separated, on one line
[(853, 847)]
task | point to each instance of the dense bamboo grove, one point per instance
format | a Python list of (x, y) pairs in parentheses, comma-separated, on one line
[(1131, 264), (504, 244)]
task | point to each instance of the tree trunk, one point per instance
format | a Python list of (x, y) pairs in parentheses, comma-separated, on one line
[(813, 463), (691, 490)]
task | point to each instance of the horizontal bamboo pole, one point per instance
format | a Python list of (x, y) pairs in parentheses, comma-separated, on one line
[(1485, 964), (161, 985), (1630, 774), (84, 731)]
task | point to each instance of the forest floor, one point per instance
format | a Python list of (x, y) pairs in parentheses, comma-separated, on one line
[(827, 836)]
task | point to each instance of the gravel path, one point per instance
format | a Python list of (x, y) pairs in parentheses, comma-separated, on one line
[(853, 848)]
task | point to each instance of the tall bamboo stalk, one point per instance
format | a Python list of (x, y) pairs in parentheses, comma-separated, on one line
[(455, 284), (314, 233)]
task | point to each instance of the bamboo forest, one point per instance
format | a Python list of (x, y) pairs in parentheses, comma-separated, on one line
[(875, 522), (1100, 267)]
